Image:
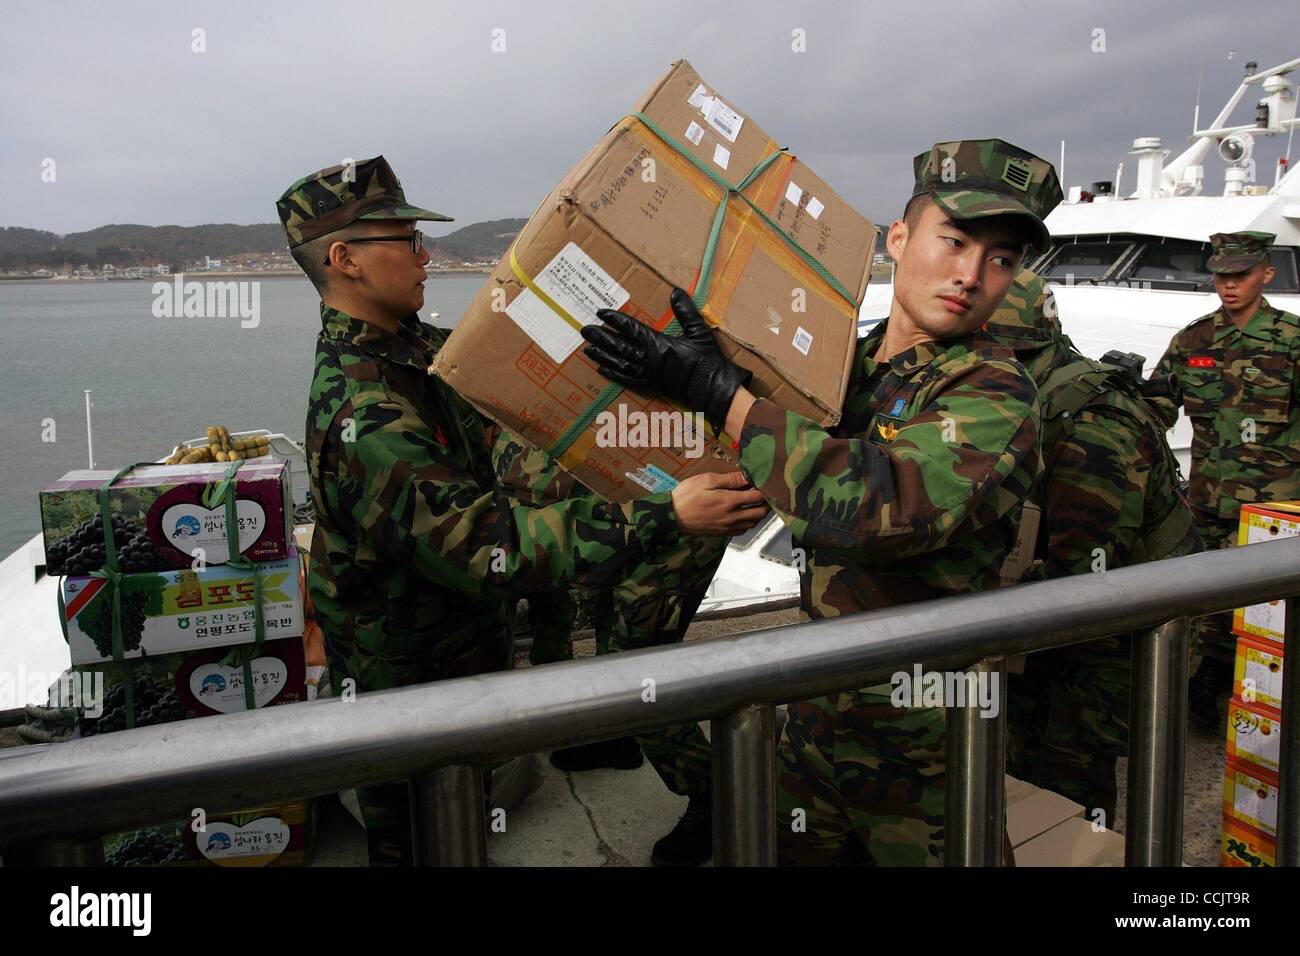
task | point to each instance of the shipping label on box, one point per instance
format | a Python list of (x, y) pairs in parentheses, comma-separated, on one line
[(182, 610), (1254, 734), (1259, 523), (166, 516), (631, 221), (188, 684), (1245, 846), (1250, 796), (1258, 672)]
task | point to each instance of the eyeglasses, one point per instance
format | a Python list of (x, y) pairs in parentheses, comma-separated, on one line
[(415, 239)]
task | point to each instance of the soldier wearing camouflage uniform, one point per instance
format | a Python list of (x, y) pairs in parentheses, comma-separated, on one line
[(915, 494), (417, 556), (1109, 497), (1237, 382), (652, 607)]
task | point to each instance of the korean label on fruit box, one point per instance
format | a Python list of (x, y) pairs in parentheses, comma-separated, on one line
[(179, 610)]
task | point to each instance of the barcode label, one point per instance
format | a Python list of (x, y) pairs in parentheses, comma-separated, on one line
[(695, 132), (724, 119), (803, 340)]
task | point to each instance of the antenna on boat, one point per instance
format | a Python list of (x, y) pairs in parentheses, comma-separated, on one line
[(1060, 171), (90, 438), (1196, 112)]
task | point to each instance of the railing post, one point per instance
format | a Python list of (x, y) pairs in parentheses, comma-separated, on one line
[(976, 761), (447, 817), (1288, 798), (1157, 734), (744, 787)]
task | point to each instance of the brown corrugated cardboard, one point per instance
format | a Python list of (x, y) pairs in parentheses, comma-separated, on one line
[(632, 220), (1073, 843), (1032, 811)]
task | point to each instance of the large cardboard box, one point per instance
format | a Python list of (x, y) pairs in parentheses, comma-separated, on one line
[(1278, 519), (632, 220), (1254, 734), (1243, 845), (1250, 796), (1258, 672)]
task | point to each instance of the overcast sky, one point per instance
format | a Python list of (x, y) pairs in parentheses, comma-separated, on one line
[(143, 129)]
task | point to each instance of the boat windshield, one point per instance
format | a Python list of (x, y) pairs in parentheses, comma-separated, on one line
[(1174, 263), (1085, 260)]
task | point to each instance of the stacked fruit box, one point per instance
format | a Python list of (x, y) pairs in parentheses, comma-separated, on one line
[(1254, 716), (198, 612)]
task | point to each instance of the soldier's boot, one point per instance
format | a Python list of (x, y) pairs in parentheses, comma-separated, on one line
[(691, 842), (1211, 683), (621, 753)]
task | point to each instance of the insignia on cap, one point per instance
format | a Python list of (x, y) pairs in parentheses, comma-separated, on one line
[(1017, 173)]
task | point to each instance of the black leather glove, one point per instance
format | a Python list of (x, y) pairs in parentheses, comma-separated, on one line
[(687, 368)]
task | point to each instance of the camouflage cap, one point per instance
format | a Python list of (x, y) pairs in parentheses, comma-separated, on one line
[(1238, 251), (329, 199), (975, 178)]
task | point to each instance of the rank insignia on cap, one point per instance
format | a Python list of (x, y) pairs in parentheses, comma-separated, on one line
[(1017, 173)]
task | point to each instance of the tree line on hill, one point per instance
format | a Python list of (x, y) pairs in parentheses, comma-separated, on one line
[(23, 249)]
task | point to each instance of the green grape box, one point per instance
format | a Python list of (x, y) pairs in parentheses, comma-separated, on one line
[(167, 611), (166, 516), (188, 684), (282, 835)]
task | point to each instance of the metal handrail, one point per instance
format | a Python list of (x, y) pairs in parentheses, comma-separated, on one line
[(115, 782)]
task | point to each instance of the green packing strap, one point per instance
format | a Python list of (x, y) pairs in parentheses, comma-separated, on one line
[(113, 576), (242, 656), (701, 294)]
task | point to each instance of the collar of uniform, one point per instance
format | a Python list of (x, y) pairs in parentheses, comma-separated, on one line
[(909, 360), (412, 344), (1263, 323)]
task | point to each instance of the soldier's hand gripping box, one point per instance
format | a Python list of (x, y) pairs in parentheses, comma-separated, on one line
[(1277, 519), (783, 281)]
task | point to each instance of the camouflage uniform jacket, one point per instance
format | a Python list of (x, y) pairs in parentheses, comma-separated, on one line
[(1109, 481), (415, 546), (1110, 491), (916, 493), (1241, 390)]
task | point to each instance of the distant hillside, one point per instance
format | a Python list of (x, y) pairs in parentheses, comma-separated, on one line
[(482, 240), (133, 245)]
